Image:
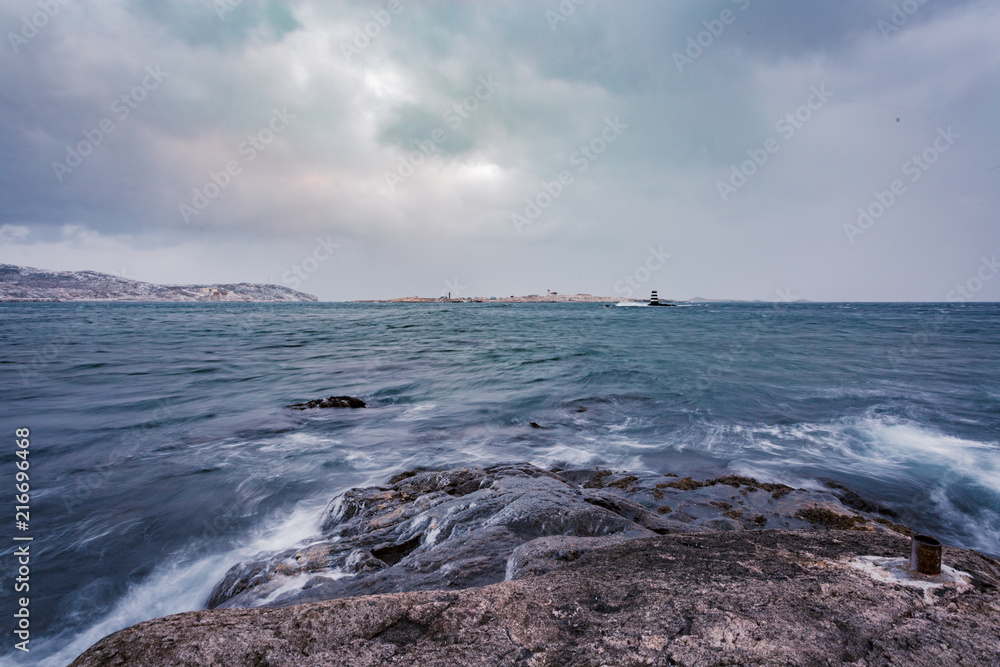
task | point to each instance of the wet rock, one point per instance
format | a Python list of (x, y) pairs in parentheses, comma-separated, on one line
[(717, 523), (359, 561), (331, 402), (773, 597), (432, 529), (654, 521), (820, 516), (851, 498), (548, 553), (454, 529)]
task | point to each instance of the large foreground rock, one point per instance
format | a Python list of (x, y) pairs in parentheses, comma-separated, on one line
[(736, 597), (454, 529)]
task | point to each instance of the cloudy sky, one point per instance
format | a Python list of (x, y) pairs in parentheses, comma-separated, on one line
[(843, 150)]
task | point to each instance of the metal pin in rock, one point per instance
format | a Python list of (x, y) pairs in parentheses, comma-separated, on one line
[(925, 555)]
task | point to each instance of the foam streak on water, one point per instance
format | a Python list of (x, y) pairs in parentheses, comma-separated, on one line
[(162, 454), (182, 582)]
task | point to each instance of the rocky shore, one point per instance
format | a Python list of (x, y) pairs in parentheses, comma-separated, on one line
[(516, 565)]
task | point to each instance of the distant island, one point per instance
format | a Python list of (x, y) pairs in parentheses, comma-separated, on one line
[(22, 283), (551, 297)]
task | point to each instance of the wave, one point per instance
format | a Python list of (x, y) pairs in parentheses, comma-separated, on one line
[(181, 583), (938, 481), (864, 451), (883, 446)]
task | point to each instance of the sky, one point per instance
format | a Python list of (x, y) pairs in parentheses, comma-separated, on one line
[(729, 149)]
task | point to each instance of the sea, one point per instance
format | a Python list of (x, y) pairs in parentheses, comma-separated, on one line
[(161, 452)]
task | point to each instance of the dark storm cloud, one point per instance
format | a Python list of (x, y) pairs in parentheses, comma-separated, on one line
[(239, 20), (699, 88)]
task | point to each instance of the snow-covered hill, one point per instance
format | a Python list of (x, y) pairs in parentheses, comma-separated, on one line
[(21, 283)]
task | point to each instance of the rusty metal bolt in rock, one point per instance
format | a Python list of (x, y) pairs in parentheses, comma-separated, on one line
[(925, 555)]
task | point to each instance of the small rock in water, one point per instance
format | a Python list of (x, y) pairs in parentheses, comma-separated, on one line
[(331, 402)]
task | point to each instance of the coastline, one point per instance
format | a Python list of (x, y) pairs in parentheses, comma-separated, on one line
[(25, 284), (519, 565)]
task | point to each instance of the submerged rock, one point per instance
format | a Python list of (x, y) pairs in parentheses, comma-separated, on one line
[(331, 402), (774, 597)]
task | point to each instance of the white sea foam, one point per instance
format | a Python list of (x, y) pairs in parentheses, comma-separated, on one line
[(620, 427), (876, 446), (879, 448), (296, 582), (908, 443), (984, 524), (418, 412), (180, 583), (300, 443)]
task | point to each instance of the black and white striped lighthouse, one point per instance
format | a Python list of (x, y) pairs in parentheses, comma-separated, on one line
[(653, 299)]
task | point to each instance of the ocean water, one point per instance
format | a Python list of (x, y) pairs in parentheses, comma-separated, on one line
[(161, 452)]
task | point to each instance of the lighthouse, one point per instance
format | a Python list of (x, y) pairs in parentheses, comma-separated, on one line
[(654, 300)]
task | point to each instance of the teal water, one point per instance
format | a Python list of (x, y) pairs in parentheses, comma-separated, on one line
[(162, 454)]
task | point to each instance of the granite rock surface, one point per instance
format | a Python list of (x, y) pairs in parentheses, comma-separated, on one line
[(734, 597), (460, 528)]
